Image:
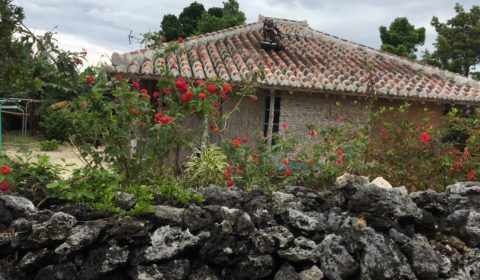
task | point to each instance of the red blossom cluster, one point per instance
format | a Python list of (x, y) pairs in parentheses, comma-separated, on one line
[(340, 157), (4, 169), (89, 79), (4, 185), (159, 118)]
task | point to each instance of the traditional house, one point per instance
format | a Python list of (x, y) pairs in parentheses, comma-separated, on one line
[(307, 74)]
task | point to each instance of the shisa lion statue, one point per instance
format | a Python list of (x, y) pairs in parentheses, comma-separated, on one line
[(271, 35)]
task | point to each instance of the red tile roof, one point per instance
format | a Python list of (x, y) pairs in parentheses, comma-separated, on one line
[(312, 60)]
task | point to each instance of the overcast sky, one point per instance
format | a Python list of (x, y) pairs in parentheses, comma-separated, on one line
[(103, 26)]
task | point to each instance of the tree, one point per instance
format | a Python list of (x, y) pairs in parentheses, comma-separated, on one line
[(190, 16), (33, 66), (195, 20), (458, 41), (402, 38), (171, 27), (15, 67)]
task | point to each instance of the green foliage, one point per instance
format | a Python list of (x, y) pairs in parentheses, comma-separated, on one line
[(33, 173), (458, 40), (169, 188), (56, 124), (402, 38), (190, 16), (171, 27), (194, 20), (33, 66), (205, 166), (92, 186), (49, 145)]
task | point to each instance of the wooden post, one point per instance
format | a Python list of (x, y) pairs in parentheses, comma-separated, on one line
[(270, 120)]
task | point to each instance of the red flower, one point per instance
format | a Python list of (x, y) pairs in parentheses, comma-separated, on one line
[(235, 143), (457, 163), (288, 172), (78, 61), (134, 112), (4, 185), (424, 137), (238, 171), (244, 140), (465, 152), (202, 95), (452, 169), (340, 152), (4, 169), (181, 85), (285, 161), (229, 168), (213, 128), (143, 91), (340, 161), (184, 98), (383, 133), (155, 94), (199, 82), (211, 88), (163, 119), (135, 85), (471, 175), (230, 183), (180, 40), (189, 94), (226, 87), (170, 118), (166, 90), (90, 79), (284, 125)]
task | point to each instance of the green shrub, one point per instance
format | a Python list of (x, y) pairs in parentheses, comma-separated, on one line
[(49, 145), (205, 166), (169, 188), (95, 187), (56, 124)]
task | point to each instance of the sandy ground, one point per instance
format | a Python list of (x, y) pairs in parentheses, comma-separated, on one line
[(65, 154)]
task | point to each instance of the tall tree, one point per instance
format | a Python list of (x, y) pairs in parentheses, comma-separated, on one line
[(190, 16), (402, 38), (458, 41), (15, 59), (195, 20), (171, 27), (218, 18), (33, 66)]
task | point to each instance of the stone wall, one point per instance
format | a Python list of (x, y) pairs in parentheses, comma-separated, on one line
[(357, 230)]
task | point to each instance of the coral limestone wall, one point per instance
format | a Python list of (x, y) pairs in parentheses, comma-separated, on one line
[(357, 230)]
